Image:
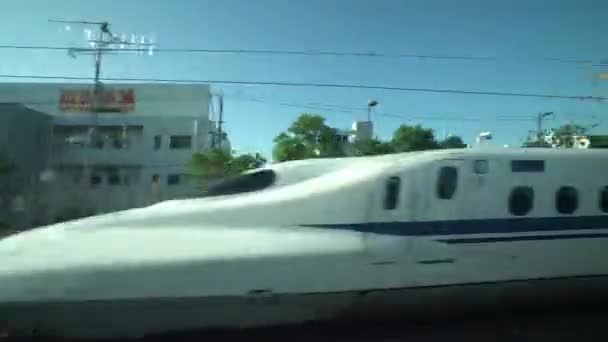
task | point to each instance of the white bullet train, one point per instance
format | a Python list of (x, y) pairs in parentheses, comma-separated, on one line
[(313, 240)]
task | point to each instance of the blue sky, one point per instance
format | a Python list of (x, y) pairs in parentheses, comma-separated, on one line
[(519, 33)]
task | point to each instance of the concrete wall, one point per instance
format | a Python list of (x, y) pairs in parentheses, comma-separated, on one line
[(89, 180), (24, 140), (142, 168)]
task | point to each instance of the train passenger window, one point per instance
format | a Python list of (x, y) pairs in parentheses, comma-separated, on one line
[(566, 200), (447, 182), (391, 197), (527, 166), (521, 200), (480, 166), (604, 199)]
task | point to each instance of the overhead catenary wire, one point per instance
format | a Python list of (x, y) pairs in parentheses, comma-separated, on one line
[(310, 53), (312, 84), (355, 110), (333, 108)]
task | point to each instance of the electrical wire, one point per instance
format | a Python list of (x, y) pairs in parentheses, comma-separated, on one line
[(309, 53), (360, 110), (315, 85), (333, 108)]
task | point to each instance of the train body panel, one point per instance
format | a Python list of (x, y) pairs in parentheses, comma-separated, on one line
[(408, 221)]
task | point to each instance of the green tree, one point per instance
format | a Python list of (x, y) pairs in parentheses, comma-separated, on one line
[(414, 138), (213, 164), (289, 147), (564, 135), (372, 147), (535, 143), (210, 163), (453, 141), (244, 162), (307, 137)]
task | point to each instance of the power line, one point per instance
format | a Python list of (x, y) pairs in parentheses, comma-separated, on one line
[(316, 85), (340, 109), (354, 110), (312, 53)]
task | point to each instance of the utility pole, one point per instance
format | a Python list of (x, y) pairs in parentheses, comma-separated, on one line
[(217, 134), (539, 125), (220, 122)]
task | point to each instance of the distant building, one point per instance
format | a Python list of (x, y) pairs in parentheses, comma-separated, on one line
[(127, 147), (361, 130)]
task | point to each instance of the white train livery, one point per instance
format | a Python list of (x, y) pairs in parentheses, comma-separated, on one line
[(313, 240)]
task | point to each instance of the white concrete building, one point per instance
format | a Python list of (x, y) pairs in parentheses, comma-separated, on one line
[(360, 130), (133, 150)]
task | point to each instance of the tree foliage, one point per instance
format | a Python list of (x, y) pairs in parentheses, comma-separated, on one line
[(372, 147), (414, 138), (452, 142), (563, 136), (534, 143), (308, 137), (216, 163)]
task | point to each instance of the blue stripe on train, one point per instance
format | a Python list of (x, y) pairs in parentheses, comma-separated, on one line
[(523, 238), (484, 226)]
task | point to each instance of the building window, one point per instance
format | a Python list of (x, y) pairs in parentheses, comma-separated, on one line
[(98, 144), (158, 140), (527, 165), (566, 200), (180, 142), (113, 179), (119, 143), (521, 200), (95, 180), (155, 179), (604, 199), (447, 182), (173, 179), (481, 166), (391, 197)]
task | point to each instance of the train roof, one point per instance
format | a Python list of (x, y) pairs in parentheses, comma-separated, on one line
[(327, 164), (494, 153)]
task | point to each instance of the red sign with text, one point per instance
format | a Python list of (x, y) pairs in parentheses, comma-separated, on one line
[(121, 100)]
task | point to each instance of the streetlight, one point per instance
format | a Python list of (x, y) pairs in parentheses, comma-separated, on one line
[(370, 104)]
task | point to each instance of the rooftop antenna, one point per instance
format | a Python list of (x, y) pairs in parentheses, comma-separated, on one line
[(103, 42), (100, 43)]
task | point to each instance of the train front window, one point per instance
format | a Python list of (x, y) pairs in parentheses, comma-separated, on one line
[(247, 182)]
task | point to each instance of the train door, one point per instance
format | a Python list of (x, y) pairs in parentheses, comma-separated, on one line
[(445, 194)]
